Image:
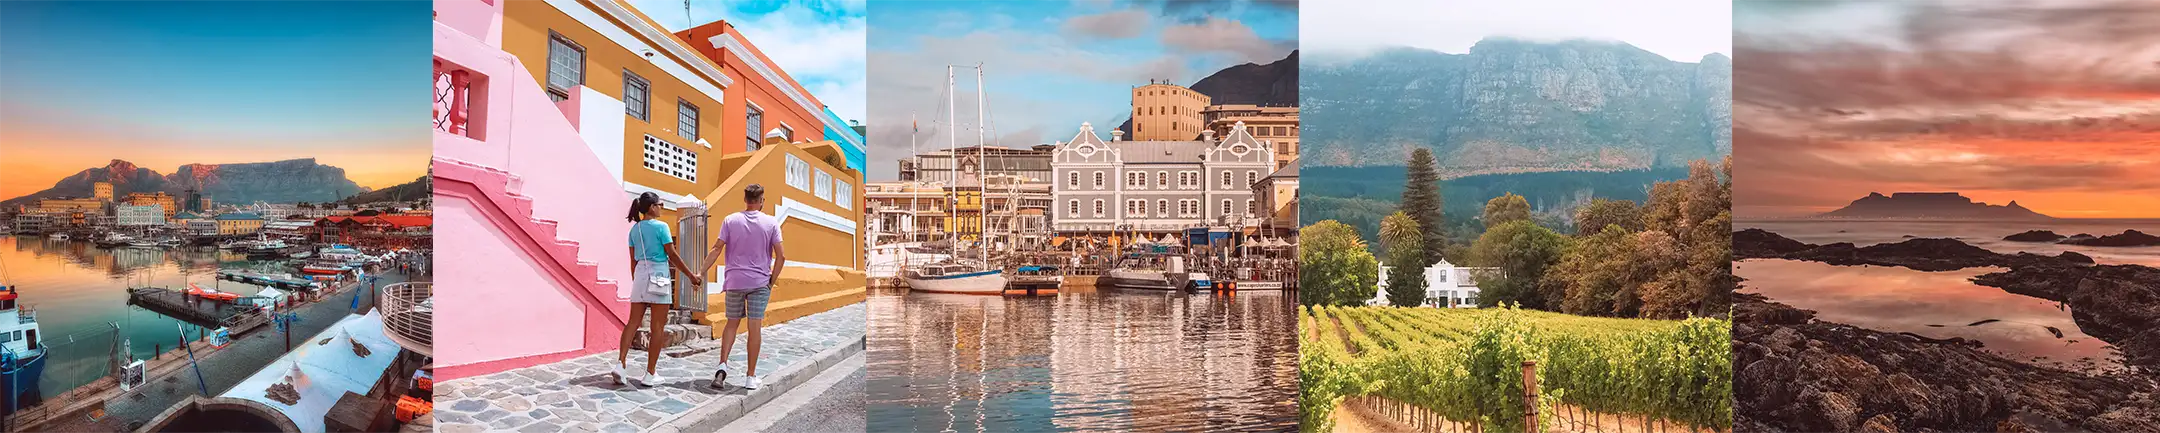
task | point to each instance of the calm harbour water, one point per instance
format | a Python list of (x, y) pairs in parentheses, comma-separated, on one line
[(1107, 360), (78, 289), (1904, 300)]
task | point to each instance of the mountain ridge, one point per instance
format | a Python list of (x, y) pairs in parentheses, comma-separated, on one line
[(286, 181), (1932, 205), (1516, 106)]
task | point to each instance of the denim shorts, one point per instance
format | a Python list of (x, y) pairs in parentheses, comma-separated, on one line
[(748, 303)]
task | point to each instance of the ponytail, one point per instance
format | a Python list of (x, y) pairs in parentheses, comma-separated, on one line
[(643, 202)]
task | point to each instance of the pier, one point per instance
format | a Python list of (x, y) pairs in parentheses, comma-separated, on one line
[(266, 280), (234, 316)]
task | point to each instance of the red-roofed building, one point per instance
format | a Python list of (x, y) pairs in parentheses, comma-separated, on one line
[(384, 231)]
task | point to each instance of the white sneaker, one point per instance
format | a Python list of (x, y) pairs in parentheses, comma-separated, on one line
[(752, 382), (622, 376), (651, 379)]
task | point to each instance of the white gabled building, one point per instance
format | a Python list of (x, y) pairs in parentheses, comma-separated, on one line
[(138, 216), (1446, 285)]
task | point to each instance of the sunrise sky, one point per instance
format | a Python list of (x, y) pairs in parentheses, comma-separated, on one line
[(162, 84), (2054, 104)]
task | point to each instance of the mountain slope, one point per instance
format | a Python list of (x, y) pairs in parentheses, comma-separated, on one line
[(417, 189), (1512, 106), (1931, 205)]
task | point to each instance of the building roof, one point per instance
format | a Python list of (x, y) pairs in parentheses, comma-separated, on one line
[(327, 371), (185, 215), (1157, 152), (239, 216), (1288, 170)]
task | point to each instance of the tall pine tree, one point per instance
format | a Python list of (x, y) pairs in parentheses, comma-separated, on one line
[(1421, 200)]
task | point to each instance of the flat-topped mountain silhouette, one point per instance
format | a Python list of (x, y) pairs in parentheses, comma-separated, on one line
[(288, 181), (1931, 205)]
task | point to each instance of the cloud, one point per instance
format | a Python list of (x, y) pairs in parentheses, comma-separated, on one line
[(821, 43), (1119, 24), (1216, 35)]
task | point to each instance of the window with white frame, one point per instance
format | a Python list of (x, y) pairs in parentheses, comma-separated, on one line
[(1162, 180), (843, 193), (670, 159), (1072, 207), (1188, 179), (823, 183), (1225, 207), (1226, 180), (1072, 179), (798, 173), (1135, 179), (1098, 179), (1098, 208), (753, 120), (1251, 177), (1162, 207), (1251, 208), (1133, 208)]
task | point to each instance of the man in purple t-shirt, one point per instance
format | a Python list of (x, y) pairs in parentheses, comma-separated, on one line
[(751, 242)]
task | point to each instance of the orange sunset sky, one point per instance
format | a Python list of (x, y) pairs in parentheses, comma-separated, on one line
[(2055, 105)]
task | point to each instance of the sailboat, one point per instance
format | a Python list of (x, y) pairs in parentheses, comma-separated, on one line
[(957, 274)]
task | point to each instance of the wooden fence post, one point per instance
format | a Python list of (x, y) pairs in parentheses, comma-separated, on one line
[(1530, 396)]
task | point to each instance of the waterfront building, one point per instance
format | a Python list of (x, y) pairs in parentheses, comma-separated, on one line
[(1167, 112), (1278, 193), (274, 211), (905, 211), (1276, 125), (1446, 285), (943, 165), (620, 106), (1158, 187), (31, 223), (203, 227), (288, 229), (238, 223), (167, 201), (102, 191), (181, 219), (70, 212), (128, 215)]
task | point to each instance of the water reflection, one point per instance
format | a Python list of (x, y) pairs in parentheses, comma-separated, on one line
[(1932, 304), (1082, 360), (80, 293)]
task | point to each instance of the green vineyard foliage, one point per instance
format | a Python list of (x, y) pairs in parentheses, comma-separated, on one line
[(1466, 365)]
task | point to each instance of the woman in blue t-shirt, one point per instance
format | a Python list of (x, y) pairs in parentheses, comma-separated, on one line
[(652, 251)]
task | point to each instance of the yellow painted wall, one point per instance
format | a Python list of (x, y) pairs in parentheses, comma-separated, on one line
[(1166, 112)]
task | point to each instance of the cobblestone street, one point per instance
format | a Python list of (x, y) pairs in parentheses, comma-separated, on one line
[(580, 395)]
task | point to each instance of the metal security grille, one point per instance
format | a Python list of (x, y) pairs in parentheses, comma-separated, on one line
[(690, 243)]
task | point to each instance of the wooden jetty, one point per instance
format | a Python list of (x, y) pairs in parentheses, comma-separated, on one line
[(235, 317)]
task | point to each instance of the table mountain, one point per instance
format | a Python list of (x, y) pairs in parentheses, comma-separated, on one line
[(415, 190), (1511, 106), (286, 181), (1931, 205)]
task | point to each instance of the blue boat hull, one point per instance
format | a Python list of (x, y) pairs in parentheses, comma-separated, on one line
[(21, 384)]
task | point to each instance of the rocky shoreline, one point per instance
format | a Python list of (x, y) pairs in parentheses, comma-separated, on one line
[(1795, 373), (1800, 374)]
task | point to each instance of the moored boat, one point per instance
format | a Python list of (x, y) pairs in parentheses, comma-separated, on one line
[(22, 360), (955, 277)]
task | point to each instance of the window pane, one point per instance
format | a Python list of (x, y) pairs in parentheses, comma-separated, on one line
[(686, 122)]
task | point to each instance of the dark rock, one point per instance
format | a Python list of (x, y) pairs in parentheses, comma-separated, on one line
[(2119, 304), (2034, 236), (2128, 238), (1759, 243)]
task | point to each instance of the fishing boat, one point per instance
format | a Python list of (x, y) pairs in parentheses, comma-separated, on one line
[(887, 261), (240, 244), (22, 360), (211, 294), (268, 247)]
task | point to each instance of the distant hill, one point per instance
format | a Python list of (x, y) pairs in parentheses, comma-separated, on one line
[(1272, 84), (289, 181), (1931, 205), (1511, 106), (417, 189)]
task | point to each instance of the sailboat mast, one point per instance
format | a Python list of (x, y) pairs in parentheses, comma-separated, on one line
[(914, 192), (952, 145), (982, 227)]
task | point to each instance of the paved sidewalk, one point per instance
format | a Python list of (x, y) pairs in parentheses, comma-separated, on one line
[(579, 394)]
